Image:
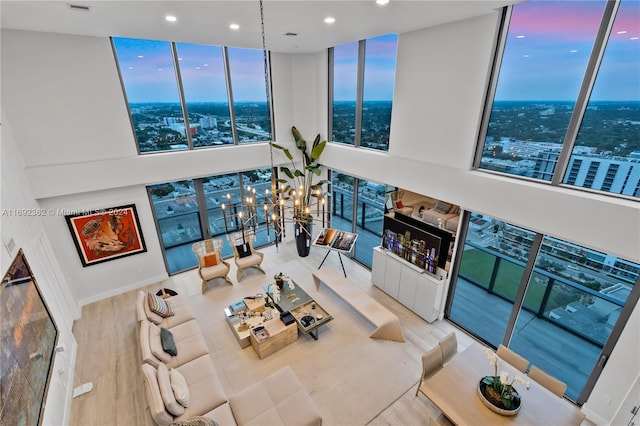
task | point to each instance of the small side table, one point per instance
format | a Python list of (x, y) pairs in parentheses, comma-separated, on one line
[(280, 335)]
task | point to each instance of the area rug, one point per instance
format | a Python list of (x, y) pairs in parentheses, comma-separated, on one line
[(351, 377)]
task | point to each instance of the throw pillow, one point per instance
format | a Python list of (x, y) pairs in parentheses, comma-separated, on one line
[(442, 207), (166, 392), (195, 421), (159, 306), (180, 388), (168, 344), (399, 204), (155, 344), (210, 260), (243, 250)]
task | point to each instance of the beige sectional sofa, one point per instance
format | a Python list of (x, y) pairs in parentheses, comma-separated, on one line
[(279, 399)]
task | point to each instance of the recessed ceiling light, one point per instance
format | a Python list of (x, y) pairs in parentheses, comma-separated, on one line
[(633, 38), (519, 36), (171, 18), (382, 2), (234, 26), (330, 20), (573, 51), (622, 32), (140, 56)]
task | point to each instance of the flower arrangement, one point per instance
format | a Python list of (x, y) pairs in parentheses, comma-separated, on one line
[(279, 277), (501, 386)]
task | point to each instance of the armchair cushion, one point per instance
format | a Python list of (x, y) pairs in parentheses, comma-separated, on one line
[(245, 262), (220, 270), (243, 250)]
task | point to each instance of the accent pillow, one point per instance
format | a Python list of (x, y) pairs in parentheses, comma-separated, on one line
[(399, 204), (155, 344), (159, 306), (210, 259), (243, 250), (180, 388), (168, 344), (442, 207), (195, 421), (166, 392)]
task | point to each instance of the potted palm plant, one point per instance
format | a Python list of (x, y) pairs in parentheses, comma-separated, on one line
[(300, 186)]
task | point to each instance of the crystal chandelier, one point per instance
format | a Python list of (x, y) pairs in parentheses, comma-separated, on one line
[(298, 200)]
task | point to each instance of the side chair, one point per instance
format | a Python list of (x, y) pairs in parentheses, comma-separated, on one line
[(244, 255), (548, 381), (210, 262), (431, 364), (513, 358), (449, 346)]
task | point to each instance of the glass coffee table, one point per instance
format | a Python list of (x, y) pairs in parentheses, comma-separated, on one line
[(308, 314)]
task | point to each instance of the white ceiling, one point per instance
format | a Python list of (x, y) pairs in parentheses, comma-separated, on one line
[(207, 22)]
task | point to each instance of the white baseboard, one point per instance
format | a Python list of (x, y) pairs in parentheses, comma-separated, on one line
[(594, 418), (120, 290)]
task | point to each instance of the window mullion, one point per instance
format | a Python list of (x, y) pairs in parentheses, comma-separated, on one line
[(330, 95), (599, 46), (359, 92), (183, 102), (522, 289), (232, 110)]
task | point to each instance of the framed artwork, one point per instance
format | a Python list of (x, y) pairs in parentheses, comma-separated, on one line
[(106, 234), (29, 336), (335, 239)]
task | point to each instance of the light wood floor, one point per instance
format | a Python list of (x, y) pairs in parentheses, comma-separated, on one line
[(107, 348)]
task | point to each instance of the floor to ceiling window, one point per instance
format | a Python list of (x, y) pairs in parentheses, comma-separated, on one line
[(362, 75), (178, 99), (191, 210), (364, 217), (548, 121), (559, 316)]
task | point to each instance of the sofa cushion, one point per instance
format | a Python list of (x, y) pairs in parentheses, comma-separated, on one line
[(157, 409), (442, 207), (222, 415), (155, 344), (159, 306), (169, 399), (168, 344), (180, 388), (204, 386), (195, 421), (280, 393)]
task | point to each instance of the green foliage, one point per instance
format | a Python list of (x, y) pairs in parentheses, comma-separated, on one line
[(303, 177)]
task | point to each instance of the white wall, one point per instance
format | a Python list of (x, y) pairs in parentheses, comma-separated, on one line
[(29, 234)]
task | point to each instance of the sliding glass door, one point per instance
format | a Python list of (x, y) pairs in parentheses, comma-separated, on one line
[(553, 302), (178, 219), (364, 217), (191, 210)]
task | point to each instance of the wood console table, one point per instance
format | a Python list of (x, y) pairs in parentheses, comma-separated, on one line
[(453, 390)]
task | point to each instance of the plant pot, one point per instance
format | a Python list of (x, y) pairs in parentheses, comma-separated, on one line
[(302, 231), (492, 400)]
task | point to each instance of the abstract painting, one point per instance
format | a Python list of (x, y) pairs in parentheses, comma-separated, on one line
[(106, 234), (29, 337)]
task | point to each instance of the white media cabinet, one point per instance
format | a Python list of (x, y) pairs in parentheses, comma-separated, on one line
[(417, 290)]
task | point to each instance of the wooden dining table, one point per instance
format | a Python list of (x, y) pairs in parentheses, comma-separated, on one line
[(454, 390)]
